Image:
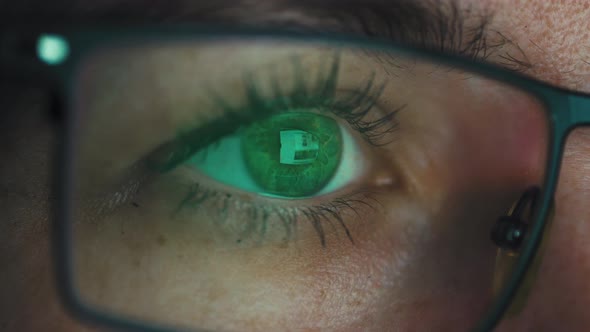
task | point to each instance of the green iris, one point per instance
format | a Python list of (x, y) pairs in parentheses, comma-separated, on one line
[(293, 154)]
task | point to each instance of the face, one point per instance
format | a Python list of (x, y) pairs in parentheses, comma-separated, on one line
[(347, 278)]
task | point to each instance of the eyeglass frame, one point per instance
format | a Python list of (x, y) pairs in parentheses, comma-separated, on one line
[(565, 110)]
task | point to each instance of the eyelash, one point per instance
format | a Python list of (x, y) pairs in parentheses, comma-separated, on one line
[(259, 214), (353, 107)]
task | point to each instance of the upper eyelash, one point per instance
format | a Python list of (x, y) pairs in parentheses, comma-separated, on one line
[(374, 131), (353, 106)]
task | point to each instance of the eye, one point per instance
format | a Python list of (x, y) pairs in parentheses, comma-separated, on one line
[(276, 150), (292, 155)]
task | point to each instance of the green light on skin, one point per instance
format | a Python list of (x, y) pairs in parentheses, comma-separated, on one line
[(52, 49)]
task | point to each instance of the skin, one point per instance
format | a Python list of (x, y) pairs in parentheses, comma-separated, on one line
[(342, 287)]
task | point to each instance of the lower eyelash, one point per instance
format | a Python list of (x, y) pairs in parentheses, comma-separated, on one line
[(259, 215)]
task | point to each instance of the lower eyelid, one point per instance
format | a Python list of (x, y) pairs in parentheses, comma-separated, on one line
[(225, 206), (184, 195), (256, 221)]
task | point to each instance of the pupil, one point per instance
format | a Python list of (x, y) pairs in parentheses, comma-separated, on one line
[(293, 154)]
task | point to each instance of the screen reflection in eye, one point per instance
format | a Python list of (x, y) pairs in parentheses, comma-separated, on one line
[(304, 149), (291, 155)]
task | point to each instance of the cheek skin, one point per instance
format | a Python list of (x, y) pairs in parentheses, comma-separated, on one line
[(502, 152), (340, 287), (306, 284), (303, 287), (560, 295)]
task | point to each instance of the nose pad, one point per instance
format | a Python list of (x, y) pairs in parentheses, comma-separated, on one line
[(508, 234)]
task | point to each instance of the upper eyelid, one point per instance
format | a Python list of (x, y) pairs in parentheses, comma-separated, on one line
[(352, 108)]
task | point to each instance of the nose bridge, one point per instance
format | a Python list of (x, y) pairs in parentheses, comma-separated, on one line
[(579, 110)]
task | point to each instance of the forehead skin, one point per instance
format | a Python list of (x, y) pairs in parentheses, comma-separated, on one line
[(555, 36)]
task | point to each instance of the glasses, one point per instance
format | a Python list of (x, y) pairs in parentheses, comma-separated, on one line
[(211, 173)]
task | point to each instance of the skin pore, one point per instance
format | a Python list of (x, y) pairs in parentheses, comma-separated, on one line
[(555, 39)]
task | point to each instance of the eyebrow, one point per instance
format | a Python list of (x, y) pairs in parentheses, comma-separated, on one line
[(439, 25)]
